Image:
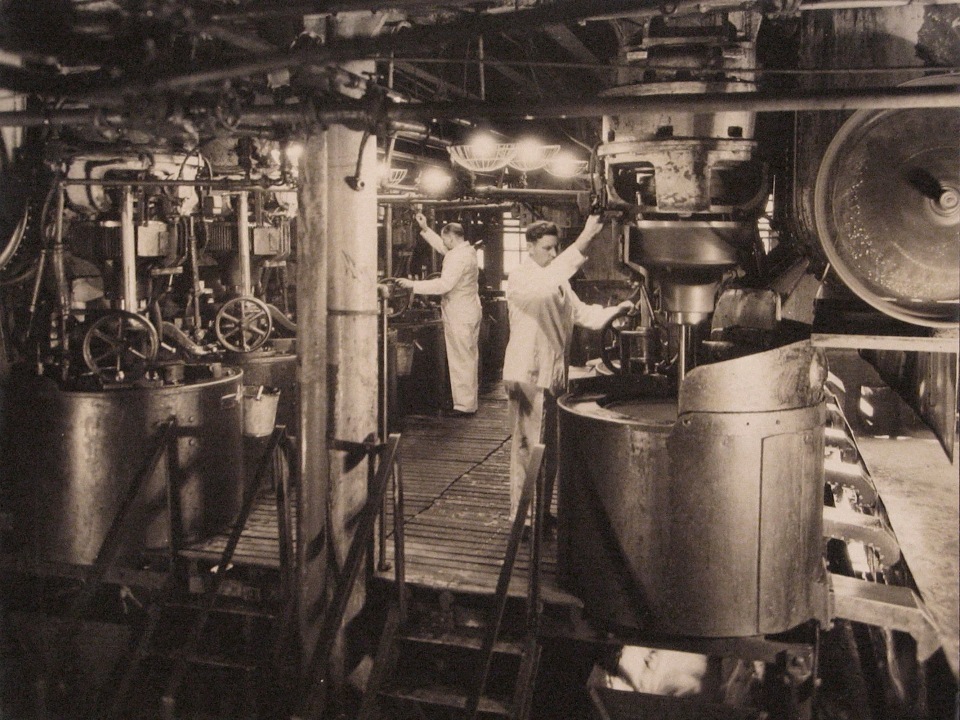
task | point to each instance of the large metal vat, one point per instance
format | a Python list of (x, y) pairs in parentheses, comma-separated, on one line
[(73, 455), (702, 517)]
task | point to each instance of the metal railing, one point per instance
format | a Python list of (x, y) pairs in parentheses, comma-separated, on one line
[(313, 703), (532, 489)]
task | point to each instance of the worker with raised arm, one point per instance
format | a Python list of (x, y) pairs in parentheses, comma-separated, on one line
[(543, 311), (460, 307)]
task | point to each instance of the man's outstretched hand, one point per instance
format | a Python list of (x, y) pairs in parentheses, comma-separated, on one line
[(421, 221)]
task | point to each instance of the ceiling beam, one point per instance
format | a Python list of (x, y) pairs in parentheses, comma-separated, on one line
[(440, 83), (564, 37), (515, 77)]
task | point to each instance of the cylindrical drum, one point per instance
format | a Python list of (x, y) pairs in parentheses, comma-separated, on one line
[(75, 455), (702, 523)]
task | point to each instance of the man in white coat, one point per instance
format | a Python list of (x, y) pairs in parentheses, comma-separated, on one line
[(543, 311), (460, 306)]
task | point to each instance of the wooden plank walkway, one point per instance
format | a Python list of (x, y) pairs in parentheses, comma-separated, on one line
[(259, 544), (457, 505), (456, 511)]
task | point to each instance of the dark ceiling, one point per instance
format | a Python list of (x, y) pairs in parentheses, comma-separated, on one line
[(211, 61)]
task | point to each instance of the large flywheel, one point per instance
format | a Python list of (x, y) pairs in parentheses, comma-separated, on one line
[(887, 206)]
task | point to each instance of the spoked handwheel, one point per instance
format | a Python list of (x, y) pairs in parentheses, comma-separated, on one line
[(398, 298), (120, 346), (243, 324), (610, 340)]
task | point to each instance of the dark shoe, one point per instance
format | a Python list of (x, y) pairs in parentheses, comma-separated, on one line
[(525, 535)]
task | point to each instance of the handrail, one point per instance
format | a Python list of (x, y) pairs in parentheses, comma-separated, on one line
[(399, 558), (313, 703), (110, 546), (284, 518), (503, 581), (212, 593)]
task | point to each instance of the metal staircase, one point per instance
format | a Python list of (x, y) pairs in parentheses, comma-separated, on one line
[(466, 657), (221, 645)]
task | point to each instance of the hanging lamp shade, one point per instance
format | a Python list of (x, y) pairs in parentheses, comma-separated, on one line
[(483, 158)]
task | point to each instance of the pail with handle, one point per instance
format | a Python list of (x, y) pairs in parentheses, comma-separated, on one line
[(259, 410)]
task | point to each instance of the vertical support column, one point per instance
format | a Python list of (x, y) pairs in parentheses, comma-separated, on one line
[(128, 253), (243, 243), (312, 531), (352, 337)]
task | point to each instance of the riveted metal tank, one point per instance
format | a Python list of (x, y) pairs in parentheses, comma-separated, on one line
[(701, 516), (74, 454)]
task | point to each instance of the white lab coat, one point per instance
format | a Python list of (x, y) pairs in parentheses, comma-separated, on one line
[(543, 311), (460, 306)]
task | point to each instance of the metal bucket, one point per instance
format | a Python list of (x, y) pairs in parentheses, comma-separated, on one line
[(76, 453), (275, 370), (259, 410)]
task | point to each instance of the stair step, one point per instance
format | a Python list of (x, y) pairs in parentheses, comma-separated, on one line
[(218, 661), (220, 609), (622, 705), (465, 642), (446, 697)]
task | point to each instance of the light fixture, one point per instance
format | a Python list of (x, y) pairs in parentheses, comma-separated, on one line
[(434, 180), (532, 155), (294, 152), (482, 154), (390, 176), (566, 165)]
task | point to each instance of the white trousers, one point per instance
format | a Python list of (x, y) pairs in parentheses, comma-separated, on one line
[(463, 360), (533, 412)]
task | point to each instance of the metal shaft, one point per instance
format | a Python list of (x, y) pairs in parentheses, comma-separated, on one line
[(681, 353), (128, 252), (243, 232)]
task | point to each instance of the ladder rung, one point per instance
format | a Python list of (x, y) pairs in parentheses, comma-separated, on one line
[(218, 661), (466, 642), (445, 697), (221, 609)]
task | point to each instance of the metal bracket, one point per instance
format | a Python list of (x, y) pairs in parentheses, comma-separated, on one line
[(892, 607), (368, 446), (356, 451), (853, 476), (867, 529)]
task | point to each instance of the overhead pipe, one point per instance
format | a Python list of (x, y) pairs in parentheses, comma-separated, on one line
[(56, 118), (871, 98), (228, 186), (391, 200), (875, 98), (529, 193), (868, 4)]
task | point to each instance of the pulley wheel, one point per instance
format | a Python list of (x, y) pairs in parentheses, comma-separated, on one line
[(887, 208), (243, 324), (120, 346)]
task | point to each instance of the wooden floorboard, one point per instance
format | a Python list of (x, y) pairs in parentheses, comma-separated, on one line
[(457, 540), (456, 509)]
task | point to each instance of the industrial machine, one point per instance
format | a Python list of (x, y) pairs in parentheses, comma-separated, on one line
[(691, 501), (144, 306)]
